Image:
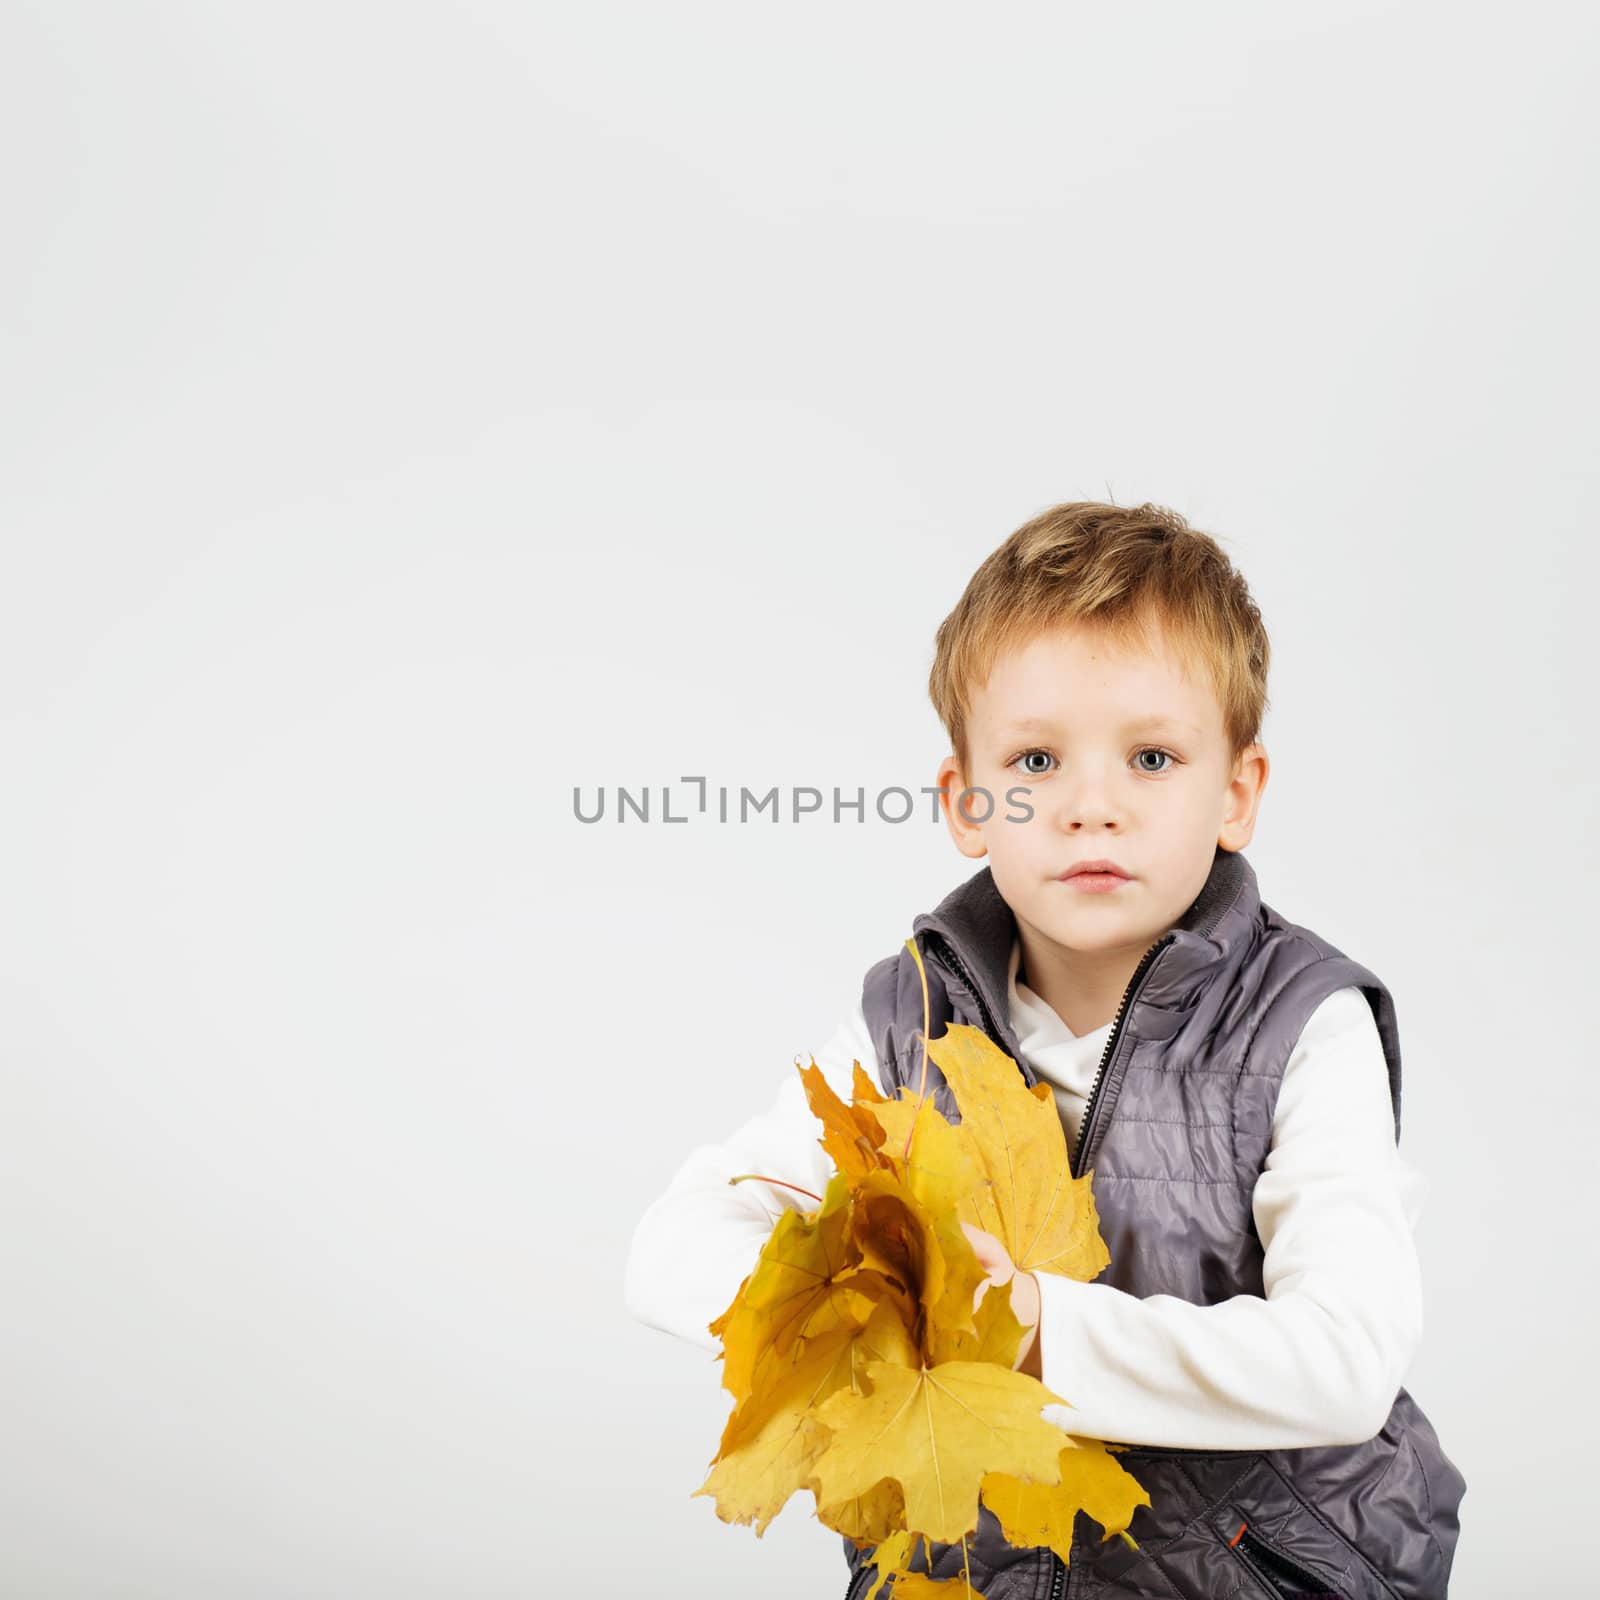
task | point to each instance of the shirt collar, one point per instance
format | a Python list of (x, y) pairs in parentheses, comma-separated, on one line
[(1037, 1024)]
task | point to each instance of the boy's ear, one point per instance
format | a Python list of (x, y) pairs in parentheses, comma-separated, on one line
[(966, 833), (1244, 797)]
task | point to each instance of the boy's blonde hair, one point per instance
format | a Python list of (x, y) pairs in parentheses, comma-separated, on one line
[(1118, 569)]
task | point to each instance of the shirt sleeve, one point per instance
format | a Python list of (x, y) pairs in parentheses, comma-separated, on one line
[(702, 1236), (1318, 1360)]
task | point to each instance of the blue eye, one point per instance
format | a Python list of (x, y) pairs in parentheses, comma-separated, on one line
[(1148, 750), (1152, 750)]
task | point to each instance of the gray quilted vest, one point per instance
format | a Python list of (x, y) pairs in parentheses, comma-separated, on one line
[(1185, 1095)]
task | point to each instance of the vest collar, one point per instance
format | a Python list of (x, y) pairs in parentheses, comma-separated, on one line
[(981, 927)]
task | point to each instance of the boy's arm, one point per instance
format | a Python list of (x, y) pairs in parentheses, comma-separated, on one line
[(1319, 1360), (701, 1237)]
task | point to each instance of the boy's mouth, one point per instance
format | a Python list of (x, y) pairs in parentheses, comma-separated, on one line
[(1096, 868), (1094, 877)]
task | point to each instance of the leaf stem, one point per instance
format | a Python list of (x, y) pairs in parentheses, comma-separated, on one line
[(922, 1089), (762, 1177)]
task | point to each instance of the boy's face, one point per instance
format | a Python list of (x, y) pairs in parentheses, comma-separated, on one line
[(1071, 718)]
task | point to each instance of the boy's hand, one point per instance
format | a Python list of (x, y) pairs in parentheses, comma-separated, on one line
[(996, 1260)]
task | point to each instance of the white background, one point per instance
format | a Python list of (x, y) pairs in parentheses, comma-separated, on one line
[(412, 412)]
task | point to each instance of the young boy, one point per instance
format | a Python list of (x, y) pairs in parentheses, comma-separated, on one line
[(1231, 1078)]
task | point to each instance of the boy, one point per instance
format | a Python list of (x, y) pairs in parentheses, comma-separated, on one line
[(1232, 1080)]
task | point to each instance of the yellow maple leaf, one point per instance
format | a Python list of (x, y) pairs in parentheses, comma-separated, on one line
[(891, 1557), (851, 1134), (863, 1091), (935, 1431), (920, 1249), (793, 1291), (868, 1519), (771, 1442), (1030, 1201), (940, 1165), (1092, 1480), (996, 1335), (919, 1586)]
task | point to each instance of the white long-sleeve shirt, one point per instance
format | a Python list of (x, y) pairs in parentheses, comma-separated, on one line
[(1315, 1362)]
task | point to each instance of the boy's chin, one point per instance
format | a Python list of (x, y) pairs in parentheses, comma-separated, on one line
[(1104, 931), (1102, 942)]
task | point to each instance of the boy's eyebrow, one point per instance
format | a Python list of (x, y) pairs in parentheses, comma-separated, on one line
[(1045, 725)]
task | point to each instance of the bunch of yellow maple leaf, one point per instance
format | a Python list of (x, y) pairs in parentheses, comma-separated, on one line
[(857, 1363)]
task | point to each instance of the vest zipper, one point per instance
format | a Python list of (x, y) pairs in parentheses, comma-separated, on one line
[(1086, 1126), (1286, 1576), (1058, 1579), (1205, 929)]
